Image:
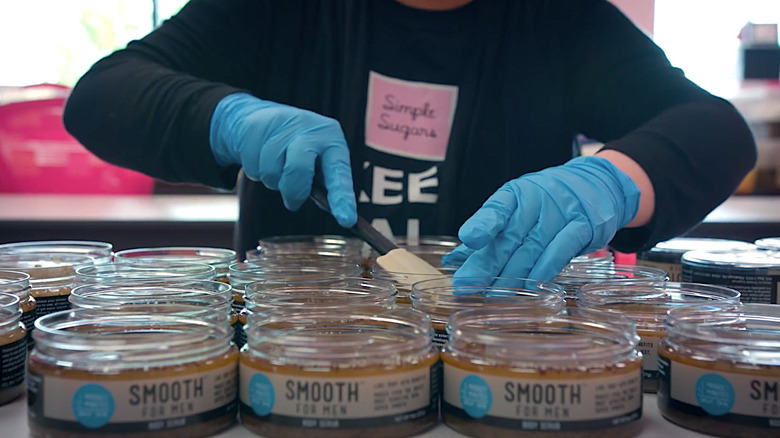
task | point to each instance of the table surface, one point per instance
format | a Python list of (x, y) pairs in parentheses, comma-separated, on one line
[(224, 208), (13, 418)]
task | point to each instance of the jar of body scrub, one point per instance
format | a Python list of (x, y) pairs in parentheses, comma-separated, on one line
[(109, 374), (339, 374)]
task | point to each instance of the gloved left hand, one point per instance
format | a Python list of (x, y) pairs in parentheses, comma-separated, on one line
[(534, 225)]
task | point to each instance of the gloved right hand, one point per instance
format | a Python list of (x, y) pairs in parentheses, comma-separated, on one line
[(280, 146)]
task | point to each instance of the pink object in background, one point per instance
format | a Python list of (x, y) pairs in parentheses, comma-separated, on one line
[(37, 155), (624, 258)]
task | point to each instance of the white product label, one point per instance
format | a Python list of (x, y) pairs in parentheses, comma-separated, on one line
[(648, 346), (719, 393), (308, 400), (543, 404), (135, 404)]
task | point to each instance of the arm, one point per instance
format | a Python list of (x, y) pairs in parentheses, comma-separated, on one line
[(148, 107)]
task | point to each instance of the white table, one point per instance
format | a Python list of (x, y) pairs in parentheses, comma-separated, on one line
[(13, 418)]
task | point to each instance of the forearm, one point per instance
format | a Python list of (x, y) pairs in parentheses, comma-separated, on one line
[(634, 171)]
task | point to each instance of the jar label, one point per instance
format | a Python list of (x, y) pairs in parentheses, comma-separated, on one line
[(47, 304), (648, 346), (28, 318), (440, 337), (339, 402), (747, 399), (760, 285), (13, 357), (543, 404), (133, 405)]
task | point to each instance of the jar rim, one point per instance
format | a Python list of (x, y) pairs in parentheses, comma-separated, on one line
[(213, 294), (570, 336), (91, 248), (743, 332), (588, 273), (145, 272), (342, 291), (127, 339), (355, 333), (45, 267), (203, 254), (439, 296), (651, 299), (250, 272), (15, 282)]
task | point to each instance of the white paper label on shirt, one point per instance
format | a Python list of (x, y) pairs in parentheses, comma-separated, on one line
[(409, 119)]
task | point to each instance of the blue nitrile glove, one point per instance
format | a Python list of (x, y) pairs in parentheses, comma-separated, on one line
[(534, 225), (280, 145)]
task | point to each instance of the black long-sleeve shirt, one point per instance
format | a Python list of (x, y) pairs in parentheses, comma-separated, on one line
[(439, 108)]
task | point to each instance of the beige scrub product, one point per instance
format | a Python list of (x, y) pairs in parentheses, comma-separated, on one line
[(574, 276), (107, 374), (667, 255), (13, 349), (339, 374), (52, 276), (18, 283), (219, 258), (646, 303), (441, 297), (575, 374), (720, 369)]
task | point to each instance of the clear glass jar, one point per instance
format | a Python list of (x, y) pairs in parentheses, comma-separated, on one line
[(667, 255), (573, 277), (219, 258), (509, 375), (13, 349), (720, 369), (101, 252), (18, 284), (266, 295), (299, 244), (288, 270), (207, 300), (132, 273), (439, 298), (768, 243), (339, 373), (109, 374), (52, 276), (405, 280), (646, 303), (430, 248)]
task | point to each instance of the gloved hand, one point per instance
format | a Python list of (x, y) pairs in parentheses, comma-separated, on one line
[(534, 225), (280, 146)]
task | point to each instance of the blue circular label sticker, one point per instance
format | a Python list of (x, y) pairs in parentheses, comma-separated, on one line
[(475, 396), (93, 406), (261, 394), (714, 394)]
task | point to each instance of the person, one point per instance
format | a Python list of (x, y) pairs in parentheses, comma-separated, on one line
[(437, 117)]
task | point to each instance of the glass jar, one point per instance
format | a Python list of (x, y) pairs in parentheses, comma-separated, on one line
[(101, 252), (13, 349), (18, 283), (404, 281), (339, 373), (439, 298), (720, 369), (573, 277), (349, 246), (52, 276), (266, 295), (768, 243), (132, 273), (109, 374), (646, 303), (509, 375), (219, 258), (430, 248), (667, 255), (207, 300), (599, 257)]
